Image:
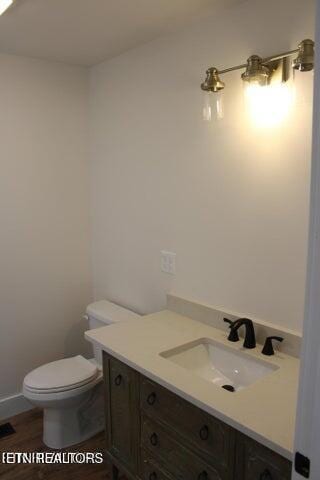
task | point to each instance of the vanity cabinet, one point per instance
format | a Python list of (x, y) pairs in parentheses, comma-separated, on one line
[(122, 413), (153, 434), (256, 462), (212, 440)]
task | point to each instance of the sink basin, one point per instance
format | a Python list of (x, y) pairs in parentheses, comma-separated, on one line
[(222, 366)]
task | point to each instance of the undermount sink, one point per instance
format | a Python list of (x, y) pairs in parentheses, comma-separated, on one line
[(222, 366)]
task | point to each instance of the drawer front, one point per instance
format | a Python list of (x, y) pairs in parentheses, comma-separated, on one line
[(178, 461), (205, 434), (256, 462), (150, 469), (122, 412)]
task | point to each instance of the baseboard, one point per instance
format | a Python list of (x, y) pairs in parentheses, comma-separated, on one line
[(11, 406)]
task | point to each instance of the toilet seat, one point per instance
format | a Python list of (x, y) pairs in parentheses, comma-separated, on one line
[(61, 376), (46, 396)]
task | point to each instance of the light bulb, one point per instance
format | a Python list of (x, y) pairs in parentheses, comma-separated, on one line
[(270, 105), (4, 5)]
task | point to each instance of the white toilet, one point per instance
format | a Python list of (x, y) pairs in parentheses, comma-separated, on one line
[(70, 390)]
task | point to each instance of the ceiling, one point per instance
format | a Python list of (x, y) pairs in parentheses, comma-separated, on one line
[(86, 32)]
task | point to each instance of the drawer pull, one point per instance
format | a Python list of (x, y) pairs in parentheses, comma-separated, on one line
[(266, 475), (118, 380), (153, 476), (203, 475), (154, 439), (151, 398), (204, 433)]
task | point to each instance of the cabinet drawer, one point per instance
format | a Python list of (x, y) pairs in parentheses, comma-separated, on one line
[(150, 468), (207, 435), (256, 462), (180, 462)]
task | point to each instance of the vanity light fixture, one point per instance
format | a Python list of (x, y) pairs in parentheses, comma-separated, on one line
[(259, 71), (213, 82), (4, 5)]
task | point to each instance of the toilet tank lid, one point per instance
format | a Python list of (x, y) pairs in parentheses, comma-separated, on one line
[(108, 312)]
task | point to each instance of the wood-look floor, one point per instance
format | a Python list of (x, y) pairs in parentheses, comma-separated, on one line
[(28, 438)]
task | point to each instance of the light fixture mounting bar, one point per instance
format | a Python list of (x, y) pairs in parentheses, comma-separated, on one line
[(264, 60), (280, 56), (231, 69)]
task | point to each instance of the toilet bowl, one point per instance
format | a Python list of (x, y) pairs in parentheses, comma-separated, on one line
[(70, 390)]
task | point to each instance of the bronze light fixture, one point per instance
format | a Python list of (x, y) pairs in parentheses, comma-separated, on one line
[(260, 71), (305, 59), (256, 72), (212, 83)]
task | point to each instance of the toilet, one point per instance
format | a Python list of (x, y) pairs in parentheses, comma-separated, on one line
[(70, 390)]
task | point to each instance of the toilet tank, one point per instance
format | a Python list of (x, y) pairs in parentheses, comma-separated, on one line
[(103, 313)]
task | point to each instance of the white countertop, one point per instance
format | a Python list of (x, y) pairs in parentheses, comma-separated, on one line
[(265, 410)]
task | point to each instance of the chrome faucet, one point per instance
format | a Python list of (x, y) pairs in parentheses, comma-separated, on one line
[(250, 338)]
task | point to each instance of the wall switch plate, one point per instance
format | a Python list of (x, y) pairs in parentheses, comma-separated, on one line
[(168, 262)]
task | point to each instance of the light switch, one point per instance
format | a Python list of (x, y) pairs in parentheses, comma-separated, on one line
[(168, 262)]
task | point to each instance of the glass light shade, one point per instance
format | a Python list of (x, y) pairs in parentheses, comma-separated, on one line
[(303, 87), (213, 106), (268, 106), (259, 81)]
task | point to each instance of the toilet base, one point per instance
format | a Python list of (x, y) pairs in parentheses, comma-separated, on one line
[(70, 417), (64, 427)]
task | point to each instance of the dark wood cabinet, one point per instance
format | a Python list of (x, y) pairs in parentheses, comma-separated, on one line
[(175, 457), (256, 462), (210, 438), (150, 470), (153, 434), (122, 413)]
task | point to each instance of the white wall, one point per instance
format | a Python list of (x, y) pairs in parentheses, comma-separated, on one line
[(45, 280), (231, 200)]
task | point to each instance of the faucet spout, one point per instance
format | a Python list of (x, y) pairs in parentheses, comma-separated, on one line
[(250, 338)]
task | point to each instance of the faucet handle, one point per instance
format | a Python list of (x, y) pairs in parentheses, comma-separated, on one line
[(233, 335), (268, 347)]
